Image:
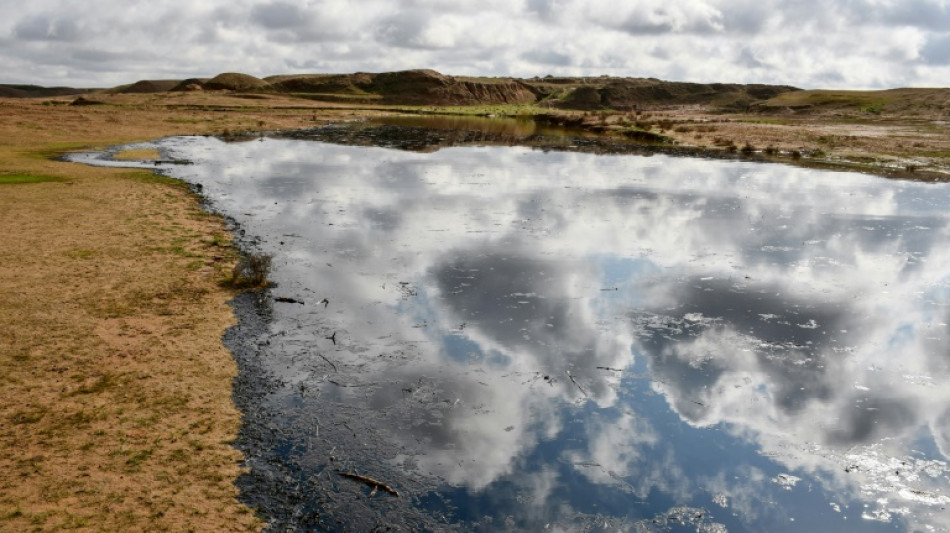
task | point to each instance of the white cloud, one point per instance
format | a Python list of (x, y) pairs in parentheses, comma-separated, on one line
[(853, 44)]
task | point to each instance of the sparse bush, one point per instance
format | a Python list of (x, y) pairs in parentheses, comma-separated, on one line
[(250, 272), (748, 148), (796, 154), (771, 150), (721, 141)]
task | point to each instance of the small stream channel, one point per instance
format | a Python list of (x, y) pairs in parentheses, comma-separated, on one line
[(538, 338)]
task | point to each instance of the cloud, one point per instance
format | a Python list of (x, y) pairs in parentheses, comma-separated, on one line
[(937, 50), (46, 28), (853, 44)]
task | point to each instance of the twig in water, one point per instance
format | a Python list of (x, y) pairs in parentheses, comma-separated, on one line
[(321, 356), (371, 482), (568, 372), (332, 338)]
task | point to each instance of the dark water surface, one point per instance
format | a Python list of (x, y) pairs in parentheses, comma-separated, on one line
[(549, 340)]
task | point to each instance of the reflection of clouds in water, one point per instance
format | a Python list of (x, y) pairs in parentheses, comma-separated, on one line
[(619, 453), (530, 310), (796, 308)]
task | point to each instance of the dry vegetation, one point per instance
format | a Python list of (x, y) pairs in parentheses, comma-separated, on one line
[(117, 411)]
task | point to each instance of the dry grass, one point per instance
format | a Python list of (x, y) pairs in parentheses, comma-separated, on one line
[(117, 411), (139, 154)]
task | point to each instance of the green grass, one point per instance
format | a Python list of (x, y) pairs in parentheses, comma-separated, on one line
[(54, 150), (868, 101), (9, 179)]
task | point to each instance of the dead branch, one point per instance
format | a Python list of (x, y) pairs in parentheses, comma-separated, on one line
[(371, 482)]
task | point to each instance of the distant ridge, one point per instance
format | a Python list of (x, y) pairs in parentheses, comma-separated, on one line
[(428, 87), (35, 91)]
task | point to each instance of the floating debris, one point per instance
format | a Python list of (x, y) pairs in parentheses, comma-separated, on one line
[(371, 482)]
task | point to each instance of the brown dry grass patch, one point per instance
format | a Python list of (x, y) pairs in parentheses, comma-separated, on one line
[(117, 411), (138, 154)]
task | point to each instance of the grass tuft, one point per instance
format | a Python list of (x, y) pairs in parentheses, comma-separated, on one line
[(250, 272)]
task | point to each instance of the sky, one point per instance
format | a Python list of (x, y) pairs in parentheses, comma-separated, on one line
[(836, 44)]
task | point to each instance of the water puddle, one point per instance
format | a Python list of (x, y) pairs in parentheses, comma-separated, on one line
[(506, 338)]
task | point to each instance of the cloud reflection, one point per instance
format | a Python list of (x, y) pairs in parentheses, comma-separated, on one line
[(801, 314)]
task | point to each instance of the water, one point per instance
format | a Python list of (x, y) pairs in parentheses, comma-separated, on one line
[(514, 338)]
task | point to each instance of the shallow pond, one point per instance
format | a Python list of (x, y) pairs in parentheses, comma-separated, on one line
[(513, 338)]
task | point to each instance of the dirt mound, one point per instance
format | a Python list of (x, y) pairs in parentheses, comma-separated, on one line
[(191, 84), (149, 86), (432, 88), (234, 81), (408, 87), (322, 83)]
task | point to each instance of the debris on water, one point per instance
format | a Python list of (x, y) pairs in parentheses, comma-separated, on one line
[(787, 481), (371, 482), (721, 500), (286, 300), (329, 362), (584, 392)]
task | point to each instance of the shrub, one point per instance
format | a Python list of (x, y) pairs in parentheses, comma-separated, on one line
[(250, 272)]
